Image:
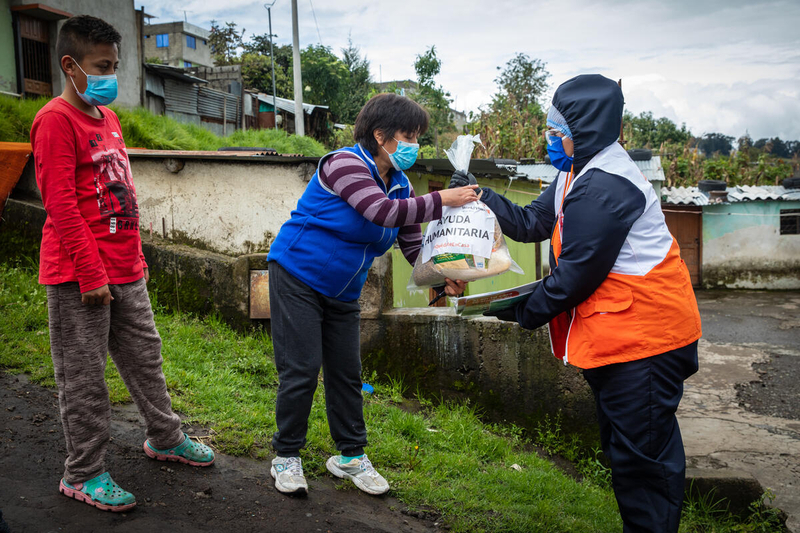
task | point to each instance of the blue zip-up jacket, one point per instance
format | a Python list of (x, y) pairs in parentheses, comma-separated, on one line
[(326, 243), (599, 210)]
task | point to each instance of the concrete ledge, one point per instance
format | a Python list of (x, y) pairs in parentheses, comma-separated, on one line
[(738, 489)]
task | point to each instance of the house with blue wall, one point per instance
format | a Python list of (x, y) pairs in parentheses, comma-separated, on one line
[(743, 237)]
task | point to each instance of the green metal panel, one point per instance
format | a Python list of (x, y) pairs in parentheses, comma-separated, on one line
[(521, 193), (719, 220), (8, 65)]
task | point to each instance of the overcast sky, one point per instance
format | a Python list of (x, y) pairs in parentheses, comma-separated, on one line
[(719, 66)]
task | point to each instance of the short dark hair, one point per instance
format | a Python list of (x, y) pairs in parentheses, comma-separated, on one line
[(389, 113), (79, 34)]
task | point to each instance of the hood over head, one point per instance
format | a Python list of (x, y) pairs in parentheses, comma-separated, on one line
[(592, 106)]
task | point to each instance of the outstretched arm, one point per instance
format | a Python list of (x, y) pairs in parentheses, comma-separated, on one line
[(532, 223)]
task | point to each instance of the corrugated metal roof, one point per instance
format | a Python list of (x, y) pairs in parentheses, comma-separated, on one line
[(765, 192), (180, 97), (543, 171), (210, 102), (743, 193), (651, 169), (478, 167), (175, 73), (154, 84), (288, 105), (683, 196)]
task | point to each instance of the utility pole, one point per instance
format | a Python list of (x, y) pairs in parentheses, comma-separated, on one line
[(272, 58), (299, 117)]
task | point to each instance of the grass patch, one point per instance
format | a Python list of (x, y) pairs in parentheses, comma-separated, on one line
[(480, 477), (143, 129)]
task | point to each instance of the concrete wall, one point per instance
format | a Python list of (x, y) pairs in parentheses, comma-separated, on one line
[(8, 64), (229, 207), (122, 15), (743, 247), (177, 52), (219, 78), (233, 208)]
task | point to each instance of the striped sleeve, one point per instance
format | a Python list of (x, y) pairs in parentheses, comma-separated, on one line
[(348, 177), (410, 238)]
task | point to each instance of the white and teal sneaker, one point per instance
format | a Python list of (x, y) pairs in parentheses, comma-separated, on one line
[(288, 475), (360, 471)]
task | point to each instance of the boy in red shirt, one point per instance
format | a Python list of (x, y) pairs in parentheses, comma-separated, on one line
[(95, 272)]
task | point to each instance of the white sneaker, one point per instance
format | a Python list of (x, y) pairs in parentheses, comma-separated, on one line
[(361, 472), (288, 474)]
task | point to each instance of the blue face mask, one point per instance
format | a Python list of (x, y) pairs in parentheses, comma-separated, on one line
[(404, 156), (100, 90), (558, 157)]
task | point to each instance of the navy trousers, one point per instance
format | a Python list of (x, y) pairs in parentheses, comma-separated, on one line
[(636, 404), (309, 331)]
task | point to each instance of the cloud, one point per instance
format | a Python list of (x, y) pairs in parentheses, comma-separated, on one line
[(717, 65)]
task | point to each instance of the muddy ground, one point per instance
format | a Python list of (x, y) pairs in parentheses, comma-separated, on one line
[(234, 495), (769, 320)]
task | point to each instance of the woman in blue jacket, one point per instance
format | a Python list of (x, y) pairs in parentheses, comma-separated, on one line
[(358, 203)]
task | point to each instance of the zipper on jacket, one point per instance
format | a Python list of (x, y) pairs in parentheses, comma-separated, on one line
[(569, 330), (363, 260)]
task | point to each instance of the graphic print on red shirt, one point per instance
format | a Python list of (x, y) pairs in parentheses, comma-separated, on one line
[(116, 196)]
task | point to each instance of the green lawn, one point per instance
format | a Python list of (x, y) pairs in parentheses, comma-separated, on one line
[(442, 457), (142, 129)]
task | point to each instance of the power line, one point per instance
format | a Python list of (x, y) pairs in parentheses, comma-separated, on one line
[(315, 21)]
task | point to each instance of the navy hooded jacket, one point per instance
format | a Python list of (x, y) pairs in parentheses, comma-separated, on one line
[(598, 212)]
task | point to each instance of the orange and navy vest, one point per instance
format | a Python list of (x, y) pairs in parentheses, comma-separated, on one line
[(646, 305)]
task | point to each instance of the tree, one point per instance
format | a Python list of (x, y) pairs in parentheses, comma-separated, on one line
[(775, 146), (323, 77), (511, 126), (259, 44), (524, 80), (357, 86), (644, 131), (257, 75), (432, 97), (713, 143), (225, 43)]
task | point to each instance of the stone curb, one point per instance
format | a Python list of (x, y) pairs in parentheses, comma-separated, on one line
[(739, 488)]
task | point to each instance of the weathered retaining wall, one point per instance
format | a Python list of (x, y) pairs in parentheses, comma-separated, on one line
[(743, 247), (227, 206), (506, 370)]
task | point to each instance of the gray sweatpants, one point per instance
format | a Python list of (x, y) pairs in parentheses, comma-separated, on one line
[(80, 337)]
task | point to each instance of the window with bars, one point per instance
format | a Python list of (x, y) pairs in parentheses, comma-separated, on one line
[(162, 40), (191, 42), (34, 56), (790, 221), (187, 64)]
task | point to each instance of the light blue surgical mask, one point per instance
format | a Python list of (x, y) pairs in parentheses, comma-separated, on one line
[(558, 157), (100, 90), (404, 156)]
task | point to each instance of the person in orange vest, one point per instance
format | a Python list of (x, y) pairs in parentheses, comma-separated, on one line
[(618, 300)]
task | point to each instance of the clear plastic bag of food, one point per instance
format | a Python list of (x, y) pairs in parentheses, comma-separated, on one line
[(466, 243)]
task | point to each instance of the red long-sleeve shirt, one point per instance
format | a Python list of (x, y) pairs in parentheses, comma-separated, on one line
[(91, 234)]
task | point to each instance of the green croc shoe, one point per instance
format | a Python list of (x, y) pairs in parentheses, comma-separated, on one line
[(101, 492), (188, 452)]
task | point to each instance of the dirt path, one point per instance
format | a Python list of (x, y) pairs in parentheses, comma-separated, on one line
[(234, 495)]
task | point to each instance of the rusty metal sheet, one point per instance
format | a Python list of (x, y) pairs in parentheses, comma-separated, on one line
[(259, 294)]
